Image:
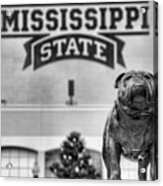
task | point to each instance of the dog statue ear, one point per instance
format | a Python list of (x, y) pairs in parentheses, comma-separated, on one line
[(149, 76), (118, 79)]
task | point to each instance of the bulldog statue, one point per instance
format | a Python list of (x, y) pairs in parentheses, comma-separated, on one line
[(131, 128)]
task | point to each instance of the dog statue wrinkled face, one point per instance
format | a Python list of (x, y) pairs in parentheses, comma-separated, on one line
[(135, 89)]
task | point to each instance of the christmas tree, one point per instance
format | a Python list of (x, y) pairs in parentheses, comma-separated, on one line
[(75, 163)]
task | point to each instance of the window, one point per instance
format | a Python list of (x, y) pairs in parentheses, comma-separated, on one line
[(17, 162), (53, 156)]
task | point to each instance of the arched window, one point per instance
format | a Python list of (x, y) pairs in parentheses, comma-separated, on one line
[(53, 156), (17, 162)]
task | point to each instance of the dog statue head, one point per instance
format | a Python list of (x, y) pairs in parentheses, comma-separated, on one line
[(135, 89)]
